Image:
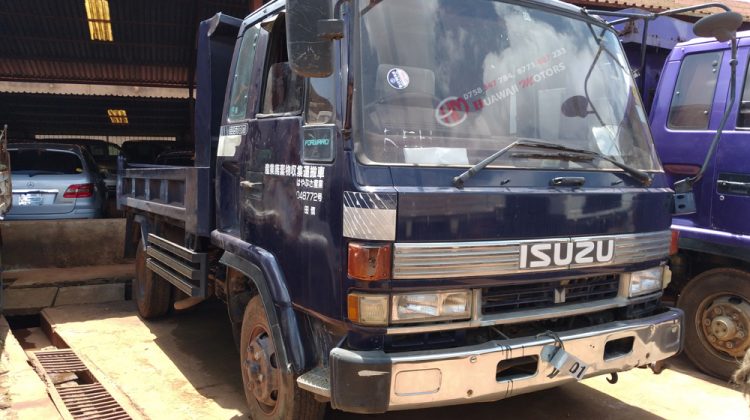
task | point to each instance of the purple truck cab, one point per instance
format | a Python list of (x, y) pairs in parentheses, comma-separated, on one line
[(711, 271)]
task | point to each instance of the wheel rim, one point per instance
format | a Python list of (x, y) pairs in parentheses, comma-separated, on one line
[(262, 369), (723, 322)]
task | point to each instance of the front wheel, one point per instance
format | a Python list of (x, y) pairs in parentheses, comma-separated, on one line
[(151, 292), (270, 392), (717, 318)]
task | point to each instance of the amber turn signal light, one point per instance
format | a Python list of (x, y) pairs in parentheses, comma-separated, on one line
[(369, 262), (674, 244)]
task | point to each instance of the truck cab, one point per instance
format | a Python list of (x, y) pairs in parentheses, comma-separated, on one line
[(423, 203), (712, 268)]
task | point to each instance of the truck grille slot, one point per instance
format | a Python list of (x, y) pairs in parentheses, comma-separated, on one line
[(500, 299)]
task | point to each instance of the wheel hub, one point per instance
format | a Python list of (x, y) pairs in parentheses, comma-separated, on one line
[(260, 362), (726, 324)]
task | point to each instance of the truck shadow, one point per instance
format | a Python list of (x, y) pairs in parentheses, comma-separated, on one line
[(575, 401), (204, 334)]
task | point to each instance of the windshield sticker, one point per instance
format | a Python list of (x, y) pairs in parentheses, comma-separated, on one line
[(453, 110), (398, 78)]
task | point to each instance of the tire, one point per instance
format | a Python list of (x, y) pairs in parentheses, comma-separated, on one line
[(152, 293), (270, 393), (721, 293)]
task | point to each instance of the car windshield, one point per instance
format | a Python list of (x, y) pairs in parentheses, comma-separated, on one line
[(38, 161), (449, 82)]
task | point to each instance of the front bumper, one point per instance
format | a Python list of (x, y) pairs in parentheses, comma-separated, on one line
[(375, 382)]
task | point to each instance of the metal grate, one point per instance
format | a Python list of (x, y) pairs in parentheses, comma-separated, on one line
[(81, 397), (60, 361), (91, 401), (500, 299)]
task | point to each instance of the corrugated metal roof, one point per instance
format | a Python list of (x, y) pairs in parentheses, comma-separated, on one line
[(154, 40), (740, 6), (29, 114)]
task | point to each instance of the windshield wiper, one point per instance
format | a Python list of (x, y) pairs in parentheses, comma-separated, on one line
[(573, 157), (641, 176)]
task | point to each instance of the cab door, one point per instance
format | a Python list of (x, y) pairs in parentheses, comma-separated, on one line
[(239, 191), (731, 176)]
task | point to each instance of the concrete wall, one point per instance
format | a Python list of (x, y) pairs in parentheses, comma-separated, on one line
[(62, 243)]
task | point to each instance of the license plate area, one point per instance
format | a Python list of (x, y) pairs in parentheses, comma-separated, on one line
[(563, 363), (30, 199)]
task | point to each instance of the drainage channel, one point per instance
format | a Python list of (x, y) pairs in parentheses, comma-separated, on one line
[(71, 384), (74, 389)]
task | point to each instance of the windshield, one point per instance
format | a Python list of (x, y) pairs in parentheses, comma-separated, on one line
[(450, 82), (39, 161)]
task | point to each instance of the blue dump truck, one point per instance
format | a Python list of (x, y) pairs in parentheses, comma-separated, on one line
[(409, 204)]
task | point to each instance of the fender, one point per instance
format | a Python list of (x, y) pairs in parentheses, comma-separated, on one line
[(261, 267)]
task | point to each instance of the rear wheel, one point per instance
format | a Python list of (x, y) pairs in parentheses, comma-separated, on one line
[(151, 292), (270, 392), (717, 318)]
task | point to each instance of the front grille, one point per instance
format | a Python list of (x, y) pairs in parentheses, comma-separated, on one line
[(500, 299)]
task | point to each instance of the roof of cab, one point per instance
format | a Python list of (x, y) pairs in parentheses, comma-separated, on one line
[(46, 146), (273, 5), (701, 41)]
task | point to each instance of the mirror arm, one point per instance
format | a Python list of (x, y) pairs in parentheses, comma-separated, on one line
[(643, 57), (686, 185)]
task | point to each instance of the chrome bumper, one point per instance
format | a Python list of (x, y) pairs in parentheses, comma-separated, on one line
[(374, 381)]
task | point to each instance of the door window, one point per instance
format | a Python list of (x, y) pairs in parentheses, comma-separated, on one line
[(693, 96), (743, 118), (241, 81), (284, 88)]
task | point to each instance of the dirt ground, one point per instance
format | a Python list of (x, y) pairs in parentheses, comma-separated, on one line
[(185, 366)]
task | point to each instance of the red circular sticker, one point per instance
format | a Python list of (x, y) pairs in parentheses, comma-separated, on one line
[(452, 111)]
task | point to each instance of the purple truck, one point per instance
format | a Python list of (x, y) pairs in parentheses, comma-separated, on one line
[(694, 100)]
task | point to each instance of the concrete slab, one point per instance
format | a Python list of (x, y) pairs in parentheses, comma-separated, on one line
[(27, 301), (71, 276), (95, 293), (62, 243), (186, 366), (171, 368), (23, 395)]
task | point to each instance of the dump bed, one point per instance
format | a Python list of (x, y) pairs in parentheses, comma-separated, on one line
[(185, 194), (176, 192)]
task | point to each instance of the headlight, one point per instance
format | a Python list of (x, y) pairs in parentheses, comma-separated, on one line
[(645, 281), (428, 307), (368, 309)]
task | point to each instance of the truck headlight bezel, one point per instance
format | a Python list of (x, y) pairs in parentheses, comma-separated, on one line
[(644, 282), (449, 305)]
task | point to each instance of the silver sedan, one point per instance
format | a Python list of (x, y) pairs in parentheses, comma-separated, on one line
[(54, 181)]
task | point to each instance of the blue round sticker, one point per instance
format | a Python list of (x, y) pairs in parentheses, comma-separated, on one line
[(398, 78)]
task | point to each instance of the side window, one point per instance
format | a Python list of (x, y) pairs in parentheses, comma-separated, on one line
[(241, 81), (743, 119), (283, 89), (694, 93), (319, 101)]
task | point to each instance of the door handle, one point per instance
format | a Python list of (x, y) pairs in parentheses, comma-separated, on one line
[(733, 187), (250, 185)]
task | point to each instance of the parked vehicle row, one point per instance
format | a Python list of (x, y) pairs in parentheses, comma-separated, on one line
[(77, 178)]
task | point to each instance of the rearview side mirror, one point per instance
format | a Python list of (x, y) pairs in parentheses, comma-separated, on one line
[(722, 26), (310, 31), (575, 106)]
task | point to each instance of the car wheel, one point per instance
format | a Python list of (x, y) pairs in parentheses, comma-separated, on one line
[(717, 320)]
